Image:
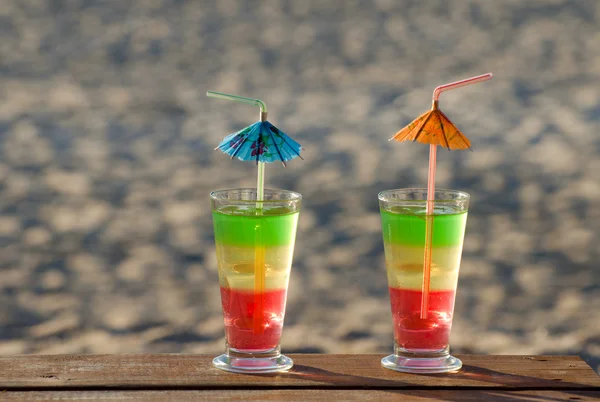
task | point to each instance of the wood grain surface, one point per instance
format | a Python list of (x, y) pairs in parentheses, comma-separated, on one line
[(306, 395), (183, 372)]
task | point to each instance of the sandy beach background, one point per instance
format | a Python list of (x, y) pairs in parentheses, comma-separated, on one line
[(106, 164)]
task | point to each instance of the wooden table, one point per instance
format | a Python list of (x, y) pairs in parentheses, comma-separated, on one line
[(314, 377)]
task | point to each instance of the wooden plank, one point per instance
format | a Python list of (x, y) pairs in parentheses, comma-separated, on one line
[(179, 371), (306, 395)]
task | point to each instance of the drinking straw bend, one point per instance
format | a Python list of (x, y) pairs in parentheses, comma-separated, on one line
[(457, 84), (240, 99)]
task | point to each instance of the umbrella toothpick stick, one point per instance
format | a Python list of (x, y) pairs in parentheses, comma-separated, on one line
[(259, 250), (431, 189)]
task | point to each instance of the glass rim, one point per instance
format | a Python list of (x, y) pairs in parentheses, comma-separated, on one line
[(295, 196), (462, 195)]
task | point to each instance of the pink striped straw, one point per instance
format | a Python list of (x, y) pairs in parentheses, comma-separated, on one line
[(431, 192)]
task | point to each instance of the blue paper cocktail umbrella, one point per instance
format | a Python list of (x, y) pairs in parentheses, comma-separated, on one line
[(261, 142)]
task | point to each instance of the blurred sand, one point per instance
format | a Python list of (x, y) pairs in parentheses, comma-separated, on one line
[(106, 163)]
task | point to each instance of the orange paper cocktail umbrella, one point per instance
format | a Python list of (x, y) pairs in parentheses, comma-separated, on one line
[(434, 128)]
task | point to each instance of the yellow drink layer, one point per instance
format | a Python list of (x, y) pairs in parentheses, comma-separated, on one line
[(405, 266), (237, 266)]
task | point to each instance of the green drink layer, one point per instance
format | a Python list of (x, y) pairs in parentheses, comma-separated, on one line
[(242, 226), (406, 225)]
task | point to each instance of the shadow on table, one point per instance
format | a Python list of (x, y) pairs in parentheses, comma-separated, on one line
[(506, 383)]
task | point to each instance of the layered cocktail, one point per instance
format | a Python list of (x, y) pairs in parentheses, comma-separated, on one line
[(421, 334), (255, 245)]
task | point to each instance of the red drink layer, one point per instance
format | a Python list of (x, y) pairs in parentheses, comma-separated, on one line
[(412, 332), (239, 307)]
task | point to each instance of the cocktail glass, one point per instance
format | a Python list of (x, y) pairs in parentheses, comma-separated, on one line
[(255, 244), (421, 338)]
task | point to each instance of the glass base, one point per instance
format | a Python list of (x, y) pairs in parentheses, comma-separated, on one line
[(422, 365), (238, 363)]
